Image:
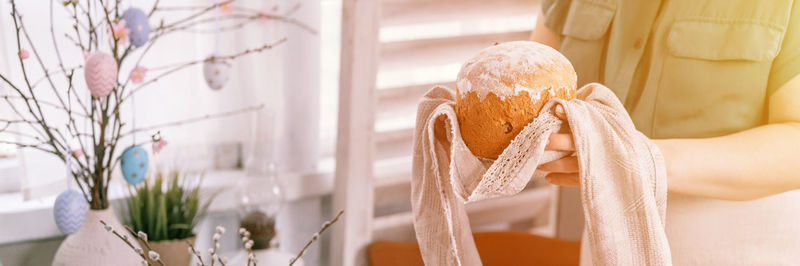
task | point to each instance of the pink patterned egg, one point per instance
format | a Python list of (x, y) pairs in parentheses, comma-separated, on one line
[(100, 74)]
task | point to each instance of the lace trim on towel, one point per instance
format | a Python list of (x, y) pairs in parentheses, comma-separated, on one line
[(503, 177)]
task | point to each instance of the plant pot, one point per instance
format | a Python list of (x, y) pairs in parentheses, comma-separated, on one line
[(92, 245), (173, 252)]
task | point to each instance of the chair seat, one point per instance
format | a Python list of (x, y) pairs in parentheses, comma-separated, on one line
[(495, 248)]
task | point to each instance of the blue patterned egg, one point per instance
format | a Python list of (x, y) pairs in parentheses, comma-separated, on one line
[(70, 210), (136, 22), (134, 164)]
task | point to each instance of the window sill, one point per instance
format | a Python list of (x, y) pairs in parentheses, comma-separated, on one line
[(33, 220)]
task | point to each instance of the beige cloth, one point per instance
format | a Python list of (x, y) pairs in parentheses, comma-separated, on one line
[(623, 179)]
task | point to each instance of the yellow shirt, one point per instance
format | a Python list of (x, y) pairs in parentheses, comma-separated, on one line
[(709, 68), (691, 69)]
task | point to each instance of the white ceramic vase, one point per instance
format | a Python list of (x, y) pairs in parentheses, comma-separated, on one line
[(92, 245)]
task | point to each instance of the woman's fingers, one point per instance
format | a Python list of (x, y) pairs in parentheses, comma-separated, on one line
[(564, 171), (560, 142), (561, 179), (567, 164)]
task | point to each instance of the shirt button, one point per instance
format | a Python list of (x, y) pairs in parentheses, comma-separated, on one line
[(638, 44)]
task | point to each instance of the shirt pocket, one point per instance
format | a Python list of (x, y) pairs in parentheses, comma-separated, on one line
[(714, 78), (584, 37), (588, 20)]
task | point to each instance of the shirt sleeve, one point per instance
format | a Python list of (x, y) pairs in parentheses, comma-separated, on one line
[(787, 64)]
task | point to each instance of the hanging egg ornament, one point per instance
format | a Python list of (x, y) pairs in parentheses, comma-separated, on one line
[(216, 71), (100, 74), (136, 22), (69, 211), (134, 163)]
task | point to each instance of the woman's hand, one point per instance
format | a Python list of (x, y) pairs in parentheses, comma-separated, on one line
[(564, 171)]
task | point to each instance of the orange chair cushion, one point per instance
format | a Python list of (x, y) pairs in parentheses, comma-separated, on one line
[(495, 248)]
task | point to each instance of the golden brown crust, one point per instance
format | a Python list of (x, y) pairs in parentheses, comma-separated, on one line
[(495, 103), (488, 126)]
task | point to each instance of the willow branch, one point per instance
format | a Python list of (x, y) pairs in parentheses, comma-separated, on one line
[(293, 10), (53, 142), (92, 28), (78, 41), (315, 237), (72, 126), (37, 146), (5, 129), (65, 71), (195, 15), (195, 252), (153, 10), (35, 127), (212, 58), (41, 64), (128, 242), (138, 61), (16, 121), (55, 43), (196, 119), (143, 237), (181, 8), (112, 144), (44, 103), (239, 20), (244, 20)]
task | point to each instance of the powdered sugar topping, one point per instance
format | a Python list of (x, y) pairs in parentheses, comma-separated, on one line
[(506, 70)]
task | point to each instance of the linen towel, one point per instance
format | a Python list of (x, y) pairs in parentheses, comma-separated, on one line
[(622, 177)]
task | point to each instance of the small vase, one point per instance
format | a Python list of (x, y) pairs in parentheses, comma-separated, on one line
[(173, 252), (92, 245)]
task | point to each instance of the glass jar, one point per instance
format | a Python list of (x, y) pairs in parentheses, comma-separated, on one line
[(260, 200)]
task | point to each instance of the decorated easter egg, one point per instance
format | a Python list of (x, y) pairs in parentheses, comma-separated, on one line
[(100, 74), (216, 72), (134, 164), (70, 210), (136, 22)]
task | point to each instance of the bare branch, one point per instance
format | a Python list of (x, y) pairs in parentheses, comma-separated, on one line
[(16, 121), (243, 19), (38, 146), (41, 63), (46, 103), (315, 237), (246, 16), (55, 43), (128, 242), (196, 119), (20, 114), (195, 15), (153, 10), (179, 66), (64, 71), (17, 26)]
